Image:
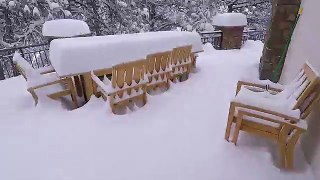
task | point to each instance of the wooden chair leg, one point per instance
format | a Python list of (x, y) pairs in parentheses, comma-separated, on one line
[(144, 98), (74, 100), (282, 153), (78, 85), (34, 96), (237, 129), (73, 92), (230, 119), (290, 148), (289, 157), (283, 136)]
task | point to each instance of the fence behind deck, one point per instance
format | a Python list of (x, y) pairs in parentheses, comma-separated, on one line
[(36, 55), (215, 37)]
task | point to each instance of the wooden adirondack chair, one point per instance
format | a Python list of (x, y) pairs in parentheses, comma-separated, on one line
[(128, 84), (158, 70), (276, 114), (44, 81), (181, 62)]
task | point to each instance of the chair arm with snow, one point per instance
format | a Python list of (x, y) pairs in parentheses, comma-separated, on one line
[(46, 70), (100, 85), (287, 118), (258, 87), (265, 115), (66, 81)]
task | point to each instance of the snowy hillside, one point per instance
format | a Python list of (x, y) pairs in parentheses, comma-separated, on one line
[(177, 135)]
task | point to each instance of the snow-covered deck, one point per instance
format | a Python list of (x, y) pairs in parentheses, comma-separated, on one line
[(176, 135)]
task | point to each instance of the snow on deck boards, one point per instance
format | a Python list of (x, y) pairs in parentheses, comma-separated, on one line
[(80, 55), (177, 135)]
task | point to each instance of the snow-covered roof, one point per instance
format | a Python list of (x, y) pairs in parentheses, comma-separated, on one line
[(230, 19), (84, 54), (65, 28)]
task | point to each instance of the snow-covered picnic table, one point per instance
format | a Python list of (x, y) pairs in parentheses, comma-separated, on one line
[(74, 56)]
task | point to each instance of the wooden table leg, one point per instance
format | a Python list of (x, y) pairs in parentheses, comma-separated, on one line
[(88, 86), (78, 85)]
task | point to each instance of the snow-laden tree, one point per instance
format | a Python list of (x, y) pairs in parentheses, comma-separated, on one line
[(21, 21)]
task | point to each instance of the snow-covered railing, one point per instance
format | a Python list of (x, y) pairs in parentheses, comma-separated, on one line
[(215, 37), (36, 55), (252, 34)]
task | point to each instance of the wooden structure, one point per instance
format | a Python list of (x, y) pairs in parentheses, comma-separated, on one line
[(128, 84), (282, 128), (158, 70), (45, 78), (231, 37), (182, 62)]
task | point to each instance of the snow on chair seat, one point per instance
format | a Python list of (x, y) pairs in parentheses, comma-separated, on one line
[(279, 116), (127, 85), (181, 61), (158, 70), (45, 81)]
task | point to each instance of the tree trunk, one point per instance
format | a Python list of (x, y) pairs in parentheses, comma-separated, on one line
[(230, 8), (1, 72), (152, 14), (97, 27), (8, 28)]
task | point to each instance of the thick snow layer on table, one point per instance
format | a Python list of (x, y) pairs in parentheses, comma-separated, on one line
[(230, 19), (178, 134), (80, 55), (65, 28)]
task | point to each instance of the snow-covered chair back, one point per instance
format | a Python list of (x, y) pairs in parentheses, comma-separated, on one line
[(306, 90), (181, 60), (128, 83), (158, 69), (303, 91), (24, 67)]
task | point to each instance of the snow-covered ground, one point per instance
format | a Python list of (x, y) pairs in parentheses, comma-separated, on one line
[(177, 135)]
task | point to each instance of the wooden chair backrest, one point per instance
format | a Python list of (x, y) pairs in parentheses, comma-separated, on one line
[(127, 73), (307, 93), (157, 62), (21, 70), (24, 67), (181, 54)]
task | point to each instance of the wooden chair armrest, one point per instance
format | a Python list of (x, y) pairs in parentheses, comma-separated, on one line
[(290, 119), (64, 81), (47, 72), (244, 83), (279, 121)]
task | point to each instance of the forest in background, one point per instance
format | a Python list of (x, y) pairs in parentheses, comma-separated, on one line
[(21, 20)]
